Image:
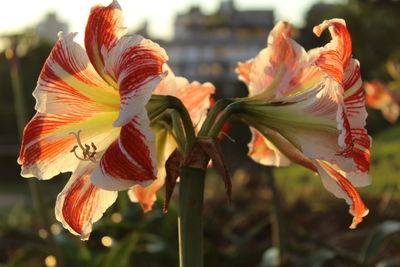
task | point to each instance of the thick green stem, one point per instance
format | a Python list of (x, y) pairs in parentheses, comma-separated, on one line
[(191, 190), (22, 119), (276, 217)]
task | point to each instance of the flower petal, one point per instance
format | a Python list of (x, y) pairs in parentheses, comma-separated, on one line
[(381, 97), (68, 82), (243, 69), (261, 150), (47, 141), (337, 184), (104, 28), (146, 196), (195, 96), (336, 59), (130, 159), (81, 203), (136, 64), (282, 68)]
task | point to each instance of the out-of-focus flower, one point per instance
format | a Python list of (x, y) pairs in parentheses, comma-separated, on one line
[(91, 118), (379, 96), (308, 108), (196, 97)]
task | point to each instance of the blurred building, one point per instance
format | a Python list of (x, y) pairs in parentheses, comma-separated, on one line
[(208, 47), (49, 28)]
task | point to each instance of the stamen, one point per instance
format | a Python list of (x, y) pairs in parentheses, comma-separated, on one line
[(88, 152)]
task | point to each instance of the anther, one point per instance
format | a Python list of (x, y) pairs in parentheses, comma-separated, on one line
[(88, 152)]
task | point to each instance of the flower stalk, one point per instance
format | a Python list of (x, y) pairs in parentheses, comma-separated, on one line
[(277, 224), (190, 220)]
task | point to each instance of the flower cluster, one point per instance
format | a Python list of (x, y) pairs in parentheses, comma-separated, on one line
[(93, 115)]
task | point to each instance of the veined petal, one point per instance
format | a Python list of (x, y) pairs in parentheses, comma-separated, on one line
[(136, 64), (130, 159), (261, 150), (282, 68), (81, 203), (243, 69), (68, 82), (381, 97), (195, 96), (336, 59), (104, 28), (47, 141), (342, 188), (146, 196)]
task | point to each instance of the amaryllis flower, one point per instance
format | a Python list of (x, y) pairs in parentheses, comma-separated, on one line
[(379, 96), (91, 118), (196, 98), (308, 108)]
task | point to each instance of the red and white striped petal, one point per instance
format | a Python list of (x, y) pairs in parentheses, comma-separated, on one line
[(129, 160), (336, 59), (381, 97), (68, 82), (103, 30), (136, 64), (282, 68), (47, 141), (261, 150), (81, 203), (341, 187)]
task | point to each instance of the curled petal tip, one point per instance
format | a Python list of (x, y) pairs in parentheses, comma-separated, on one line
[(325, 24), (358, 219)]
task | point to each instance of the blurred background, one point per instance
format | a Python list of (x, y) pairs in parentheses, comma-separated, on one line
[(205, 40)]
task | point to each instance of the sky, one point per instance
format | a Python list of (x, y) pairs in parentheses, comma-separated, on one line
[(19, 14)]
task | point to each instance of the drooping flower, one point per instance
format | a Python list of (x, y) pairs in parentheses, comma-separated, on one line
[(91, 118), (309, 108), (196, 98), (379, 96)]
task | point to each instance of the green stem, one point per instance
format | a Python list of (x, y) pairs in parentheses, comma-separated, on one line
[(222, 119), (179, 133), (191, 190), (276, 216), (212, 115), (22, 119), (187, 123)]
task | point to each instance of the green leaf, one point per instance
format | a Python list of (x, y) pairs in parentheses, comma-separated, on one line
[(377, 240), (318, 258), (118, 256)]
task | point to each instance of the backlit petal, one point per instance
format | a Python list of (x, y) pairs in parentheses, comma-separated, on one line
[(282, 68), (130, 159), (243, 69), (381, 97), (341, 187), (146, 196), (264, 152), (195, 96), (81, 203), (336, 59), (136, 64), (68, 82), (47, 141), (104, 28)]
